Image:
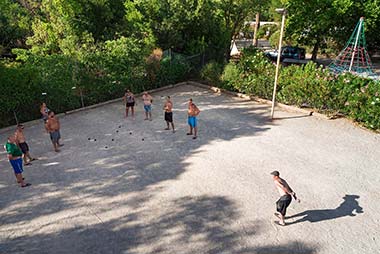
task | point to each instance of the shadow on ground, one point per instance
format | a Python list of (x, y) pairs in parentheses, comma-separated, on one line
[(346, 208), (191, 225)]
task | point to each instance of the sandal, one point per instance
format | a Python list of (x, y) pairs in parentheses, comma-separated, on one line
[(26, 185), (189, 134)]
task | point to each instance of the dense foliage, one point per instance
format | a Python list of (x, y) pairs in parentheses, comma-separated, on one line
[(94, 49), (310, 85)]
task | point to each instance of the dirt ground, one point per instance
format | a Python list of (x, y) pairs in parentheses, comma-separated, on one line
[(152, 191)]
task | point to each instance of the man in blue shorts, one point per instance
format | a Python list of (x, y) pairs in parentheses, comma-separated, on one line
[(193, 112), (147, 99), (15, 159)]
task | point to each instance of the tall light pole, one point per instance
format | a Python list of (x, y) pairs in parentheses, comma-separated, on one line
[(283, 12)]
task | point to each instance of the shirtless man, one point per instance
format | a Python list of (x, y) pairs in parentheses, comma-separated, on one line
[(286, 194), (147, 99), (21, 141), (193, 112), (129, 100), (168, 107), (53, 126), (44, 110), (14, 156)]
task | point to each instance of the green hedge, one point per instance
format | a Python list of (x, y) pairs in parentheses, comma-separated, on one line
[(310, 85), (100, 75)]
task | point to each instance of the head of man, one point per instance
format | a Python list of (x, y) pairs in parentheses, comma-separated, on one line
[(275, 174), (168, 98), (51, 114), (20, 127), (11, 139)]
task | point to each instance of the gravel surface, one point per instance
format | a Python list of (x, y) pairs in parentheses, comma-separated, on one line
[(152, 191)]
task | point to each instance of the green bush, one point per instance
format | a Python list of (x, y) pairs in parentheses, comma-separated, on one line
[(211, 73), (99, 75), (172, 71), (310, 85), (256, 73)]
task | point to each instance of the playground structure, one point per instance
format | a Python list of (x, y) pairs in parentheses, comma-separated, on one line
[(354, 58)]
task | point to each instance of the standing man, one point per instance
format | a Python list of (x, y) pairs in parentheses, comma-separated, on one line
[(286, 194), (168, 107), (14, 156), (148, 100), (21, 141), (129, 100), (53, 126), (193, 112)]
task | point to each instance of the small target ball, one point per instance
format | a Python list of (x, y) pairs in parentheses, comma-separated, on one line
[(113, 140), (89, 138), (94, 139), (119, 126), (142, 139), (106, 147), (117, 131), (130, 133)]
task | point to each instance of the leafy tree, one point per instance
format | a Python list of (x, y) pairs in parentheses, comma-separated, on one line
[(14, 25), (314, 23)]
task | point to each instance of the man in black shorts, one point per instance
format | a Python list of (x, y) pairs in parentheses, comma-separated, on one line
[(129, 100), (286, 196), (168, 107), (21, 142)]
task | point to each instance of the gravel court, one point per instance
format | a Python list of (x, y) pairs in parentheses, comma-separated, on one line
[(171, 194)]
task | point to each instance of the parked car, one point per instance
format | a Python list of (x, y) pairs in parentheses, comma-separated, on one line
[(287, 52)]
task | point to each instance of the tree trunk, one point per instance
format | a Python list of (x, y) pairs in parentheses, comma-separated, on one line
[(257, 26), (314, 53)]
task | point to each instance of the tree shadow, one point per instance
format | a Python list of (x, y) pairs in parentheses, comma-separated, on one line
[(347, 208), (185, 225)]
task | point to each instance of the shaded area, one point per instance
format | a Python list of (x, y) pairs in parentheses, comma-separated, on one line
[(346, 208), (187, 225)]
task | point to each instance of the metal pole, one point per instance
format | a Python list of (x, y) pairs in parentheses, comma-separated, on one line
[(278, 63), (356, 44), (14, 114)]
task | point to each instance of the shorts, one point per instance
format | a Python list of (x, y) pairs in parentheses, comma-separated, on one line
[(283, 203), (17, 166), (55, 136), (130, 104), (148, 108), (192, 121), (169, 117), (24, 147)]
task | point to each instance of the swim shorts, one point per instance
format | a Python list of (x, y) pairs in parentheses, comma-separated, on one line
[(17, 165), (169, 117), (24, 147), (148, 108), (55, 136), (283, 203), (192, 121)]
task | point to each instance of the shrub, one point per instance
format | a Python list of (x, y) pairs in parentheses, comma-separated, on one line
[(256, 73), (212, 72)]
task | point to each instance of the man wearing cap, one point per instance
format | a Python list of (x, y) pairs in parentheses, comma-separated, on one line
[(286, 196)]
